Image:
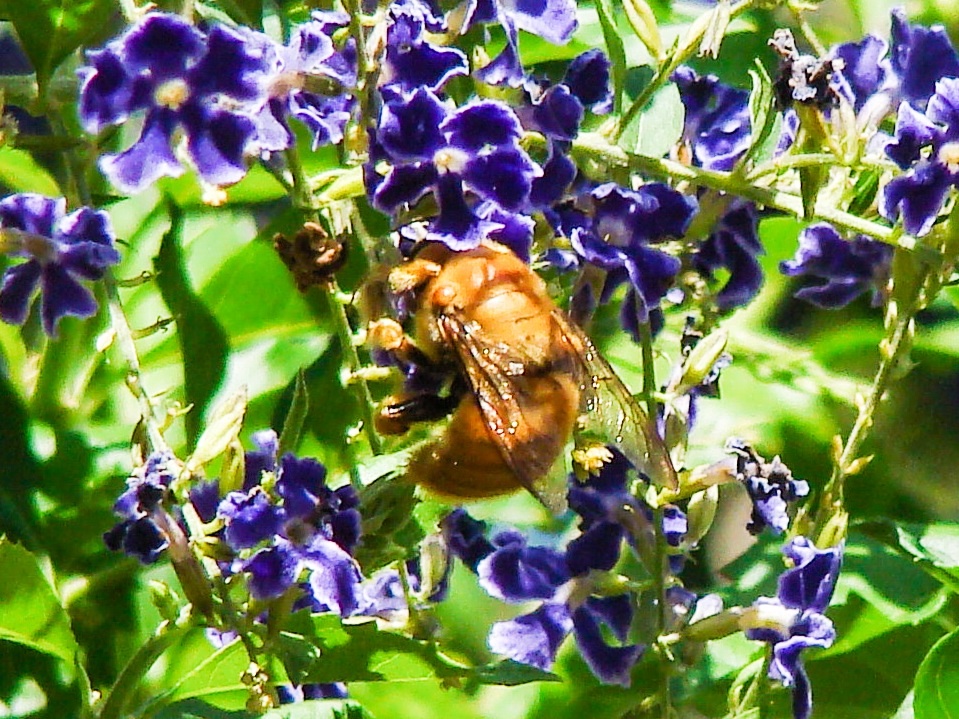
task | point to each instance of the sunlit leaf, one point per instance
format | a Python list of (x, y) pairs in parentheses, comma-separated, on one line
[(937, 682), (30, 611), (52, 29)]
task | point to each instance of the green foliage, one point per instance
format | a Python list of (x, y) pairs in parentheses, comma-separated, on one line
[(51, 30), (211, 308), (30, 611), (937, 682)]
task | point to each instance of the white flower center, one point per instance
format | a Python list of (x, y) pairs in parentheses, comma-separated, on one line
[(450, 159), (172, 94)]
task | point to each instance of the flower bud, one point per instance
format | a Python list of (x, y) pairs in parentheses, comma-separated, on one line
[(701, 361), (643, 22), (700, 513)]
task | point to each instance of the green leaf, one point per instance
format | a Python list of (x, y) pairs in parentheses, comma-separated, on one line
[(510, 673), (30, 611), (19, 516), (198, 670), (202, 339), (658, 127), (614, 48), (295, 416), (50, 30), (19, 172), (937, 682), (765, 121), (934, 548), (361, 652)]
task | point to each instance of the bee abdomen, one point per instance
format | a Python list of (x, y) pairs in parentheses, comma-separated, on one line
[(465, 463)]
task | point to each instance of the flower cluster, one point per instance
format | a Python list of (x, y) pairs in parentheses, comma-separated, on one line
[(293, 525), (568, 582), (914, 77), (60, 249), (226, 92)]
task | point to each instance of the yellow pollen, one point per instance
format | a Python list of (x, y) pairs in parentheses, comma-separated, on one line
[(172, 94)]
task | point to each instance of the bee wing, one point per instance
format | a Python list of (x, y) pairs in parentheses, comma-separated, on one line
[(612, 413), (497, 377)]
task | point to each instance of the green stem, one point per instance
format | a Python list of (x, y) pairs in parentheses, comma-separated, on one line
[(649, 370), (832, 495), (593, 147), (660, 571), (690, 45), (124, 342), (345, 336), (806, 29), (303, 195), (139, 664), (359, 35)]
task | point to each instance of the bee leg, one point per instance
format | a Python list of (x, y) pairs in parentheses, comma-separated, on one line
[(412, 275), (398, 415), (388, 335)]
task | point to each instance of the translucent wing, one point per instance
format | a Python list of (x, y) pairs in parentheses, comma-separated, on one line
[(508, 389), (612, 413)]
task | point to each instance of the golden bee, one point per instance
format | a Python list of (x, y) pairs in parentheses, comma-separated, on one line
[(522, 377)]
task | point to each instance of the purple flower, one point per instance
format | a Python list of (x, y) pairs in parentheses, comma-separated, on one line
[(465, 538), (770, 485), (850, 268), (182, 81), (611, 513), (535, 638), (292, 693), (620, 236), (793, 620), (61, 249), (919, 194), (866, 71), (920, 57), (717, 127), (552, 20), (304, 525), (734, 246), (516, 572), (474, 149), (557, 111), (411, 61), (307, 80), (142, 532), (512, 570)]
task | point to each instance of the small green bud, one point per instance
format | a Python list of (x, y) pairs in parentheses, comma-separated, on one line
[(700, 513), (643, 21), (701, 360)]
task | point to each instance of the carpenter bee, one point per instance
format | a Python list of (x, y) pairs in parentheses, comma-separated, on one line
[(522, 378)]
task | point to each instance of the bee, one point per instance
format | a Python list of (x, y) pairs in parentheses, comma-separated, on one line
[(522, 378)]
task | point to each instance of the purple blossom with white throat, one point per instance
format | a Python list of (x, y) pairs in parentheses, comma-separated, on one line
[(61, 250)]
